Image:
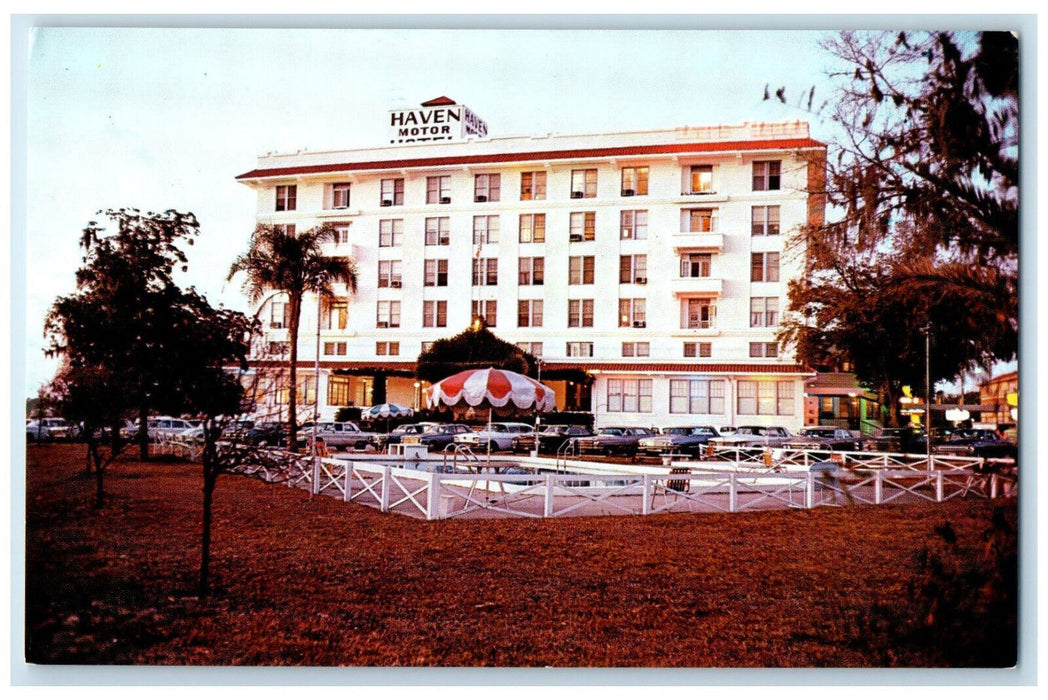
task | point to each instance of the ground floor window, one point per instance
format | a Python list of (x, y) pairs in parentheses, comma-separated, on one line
[(765, 398), (704, 396), (629, 396)]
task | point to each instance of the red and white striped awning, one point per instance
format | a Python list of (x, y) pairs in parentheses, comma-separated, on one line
[(491, 388)]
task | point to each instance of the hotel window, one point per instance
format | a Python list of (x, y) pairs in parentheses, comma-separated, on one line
[(286, 229), (532, 228), (438, 230), (764, 350), (579, 349), (764, 267), (532, 271), (334, 349), (582, 226), (486, 310), (636, 349), (340, 195), (438, 189), (338, 391), (765, 398), (701, 220), (705, 396), (701, 179), (634, 181), (633, 224), (533, 348), (633, 313), (580, 269), (765, 221), (392, 192), (390, 232), (278, 348), (529, 313), (580, 313), (388, 314), (279, 314), (766, 175), (584, 183), (629, 396), (695, 264), (764, 312), (533, 185), (485, 229), (434, 314), (435, 273), (389, 274), (633, 269), (486, 187), (337, 314), (341, 236), (698, 349), (699, 314), (286, 195), (426, 345), (387, 347), (485, 272)]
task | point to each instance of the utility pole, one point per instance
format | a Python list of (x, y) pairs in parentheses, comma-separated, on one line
[(928, 393)]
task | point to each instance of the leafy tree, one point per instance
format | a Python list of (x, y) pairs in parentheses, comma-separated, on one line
[(281, 261), (922, 182), (473, 348)]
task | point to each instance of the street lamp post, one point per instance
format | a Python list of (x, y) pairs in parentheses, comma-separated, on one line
[(928, 394)]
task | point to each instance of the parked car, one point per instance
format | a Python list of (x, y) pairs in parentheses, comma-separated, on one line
[(343, 435), (499, 436), (903, 440), (166, 427), (615, 440), (823, 437), (441, 435), (265, 434), (689, 439), (408, 432), (550, 439), (755, 436), (47, 430), (977, 442)]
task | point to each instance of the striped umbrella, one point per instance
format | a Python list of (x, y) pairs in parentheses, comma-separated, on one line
[(387, 410), (495, 389)]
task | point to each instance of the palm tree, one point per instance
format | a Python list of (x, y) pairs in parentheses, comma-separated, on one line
[(279, 260)]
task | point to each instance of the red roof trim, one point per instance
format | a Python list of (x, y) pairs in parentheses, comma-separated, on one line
[(664, 149), (438, 102)]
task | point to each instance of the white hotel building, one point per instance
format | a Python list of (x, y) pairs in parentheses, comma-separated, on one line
[(648, 270)]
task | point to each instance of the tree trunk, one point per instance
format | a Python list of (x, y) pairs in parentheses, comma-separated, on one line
[(100, 495), (295, 311), (143, 432), (205, 536)]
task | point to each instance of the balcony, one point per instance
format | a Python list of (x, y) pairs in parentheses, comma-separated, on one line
[(698, 240), (689, 286)]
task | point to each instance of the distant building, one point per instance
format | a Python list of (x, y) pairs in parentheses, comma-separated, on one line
[(1002, 393), (837, 398), (647, 269)]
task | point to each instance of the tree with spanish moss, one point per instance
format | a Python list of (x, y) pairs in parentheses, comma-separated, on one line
[(922, 186), (281, 261)]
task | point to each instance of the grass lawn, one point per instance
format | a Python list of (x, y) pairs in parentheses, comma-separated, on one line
[(317, 582)]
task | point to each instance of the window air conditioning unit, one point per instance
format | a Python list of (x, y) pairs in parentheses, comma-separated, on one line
[(639, 324), (641, 280), (576, 237), (480, 198), (387, 202), (445, 200), (577, 195), (383, 324), (395, 284), (627, 193)]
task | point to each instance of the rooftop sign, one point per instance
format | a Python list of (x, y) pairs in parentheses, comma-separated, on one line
[(436, 120)]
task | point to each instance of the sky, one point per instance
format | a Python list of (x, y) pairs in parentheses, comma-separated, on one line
[(160, 119)]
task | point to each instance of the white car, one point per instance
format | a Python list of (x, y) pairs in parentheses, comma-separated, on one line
[(755, 436), (47, 430), (166, 428), (498, 435)]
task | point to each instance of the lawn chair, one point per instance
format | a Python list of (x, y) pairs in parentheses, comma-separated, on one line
[(674, 487)]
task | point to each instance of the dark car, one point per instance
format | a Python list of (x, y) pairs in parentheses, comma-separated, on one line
[(615, 440), (689, 440), (550, 439), (977, 442), (409, 432), (440, 436), (904, 440), (825, 438), (266, 435)]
